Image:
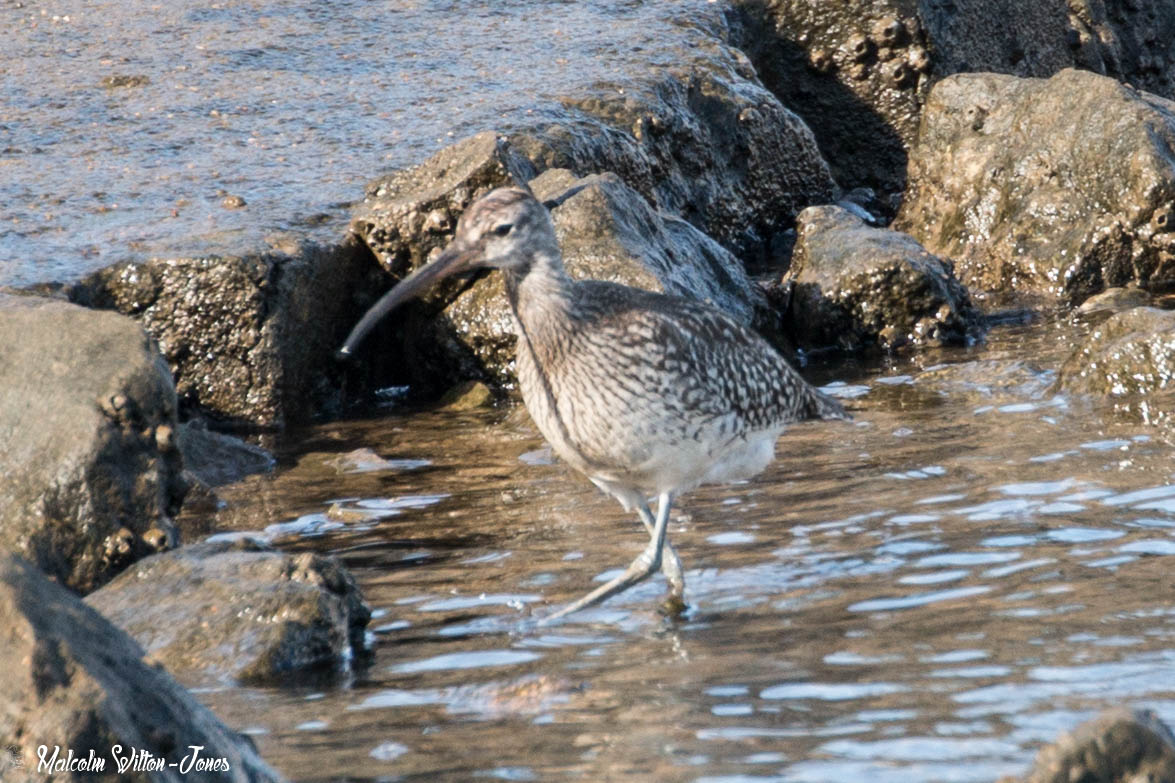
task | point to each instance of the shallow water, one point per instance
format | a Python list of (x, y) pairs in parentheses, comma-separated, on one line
[(927, 593), (123, 125)]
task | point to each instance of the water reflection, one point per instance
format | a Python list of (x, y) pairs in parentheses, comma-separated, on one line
[(921, 607)]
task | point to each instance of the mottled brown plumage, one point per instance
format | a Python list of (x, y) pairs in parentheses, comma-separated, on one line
[(644, 393)]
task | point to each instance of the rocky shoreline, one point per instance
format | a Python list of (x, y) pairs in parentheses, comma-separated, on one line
[(863, 180)]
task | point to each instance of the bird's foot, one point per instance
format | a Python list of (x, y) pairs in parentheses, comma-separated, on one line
[(674, 606), (638, 570)]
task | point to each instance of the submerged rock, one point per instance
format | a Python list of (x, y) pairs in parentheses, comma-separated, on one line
[(221, 611), (76, 683), (214, 458), (250, 339), (1115, 300), (854, 287), (1053, 188), (1118, 745), (1130, 358), (91, 471), (467, 396)]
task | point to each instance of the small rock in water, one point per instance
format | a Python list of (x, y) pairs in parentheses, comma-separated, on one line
[(1118, 745), (222, 611), (1115, 300), (364, 460), (467, 396)]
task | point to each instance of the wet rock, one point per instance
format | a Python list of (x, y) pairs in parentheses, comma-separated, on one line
[(410, 215), (858, 72), (1126, 40), (467, 396), (250, 339), (214, 458), (1115, 300), (997, 379), (91, 477), (1048, 188), (699, 137), (76, 682), (120, 80), (608, 231), (1130, 358), (1118, 745), (237, 610), (856, 287)]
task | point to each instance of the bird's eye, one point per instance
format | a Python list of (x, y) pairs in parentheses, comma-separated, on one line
[(503, 229)]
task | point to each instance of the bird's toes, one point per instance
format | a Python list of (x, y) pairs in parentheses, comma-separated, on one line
[(673, 607)]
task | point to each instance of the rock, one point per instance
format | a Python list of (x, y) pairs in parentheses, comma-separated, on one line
[(91, 478), (608, 232), (1130, 358), (76, 683), (1125, 40), (221, 611), (1048, 188), (1118, 745), (211, 460), (698, 136), (856, 287), (1115, 300), (250, 339), (858, 72), (467, 396), (214, 458), (410, 215)]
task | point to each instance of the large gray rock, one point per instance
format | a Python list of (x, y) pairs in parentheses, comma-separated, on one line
[(217, 612), (75, 683), (1117, 746), (858, 72), (249, 338), (607, 231), (699, 137), (855, 287), (91, 472), (1130, 358), (1048, 188)]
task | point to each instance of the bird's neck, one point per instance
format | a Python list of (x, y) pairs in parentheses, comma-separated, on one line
[(542, 296)]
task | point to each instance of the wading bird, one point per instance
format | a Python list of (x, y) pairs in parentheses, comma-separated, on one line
[(646, 394)]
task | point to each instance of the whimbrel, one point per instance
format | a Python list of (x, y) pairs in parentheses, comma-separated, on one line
[(648, 395)]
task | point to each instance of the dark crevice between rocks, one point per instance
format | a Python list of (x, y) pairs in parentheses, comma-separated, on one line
[(861, 145)]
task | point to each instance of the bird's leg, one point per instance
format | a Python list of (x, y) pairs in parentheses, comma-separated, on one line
[(639, 569), (670, 562)]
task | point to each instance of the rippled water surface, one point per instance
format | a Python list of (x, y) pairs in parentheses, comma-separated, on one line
[(928, 593), (123, 125)]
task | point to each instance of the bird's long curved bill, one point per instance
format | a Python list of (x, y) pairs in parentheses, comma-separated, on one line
[(453, 261)]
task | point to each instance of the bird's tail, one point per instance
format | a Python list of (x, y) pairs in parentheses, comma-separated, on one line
[(823, 406)]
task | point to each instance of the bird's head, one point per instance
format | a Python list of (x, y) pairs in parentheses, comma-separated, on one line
[(505, 229)]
